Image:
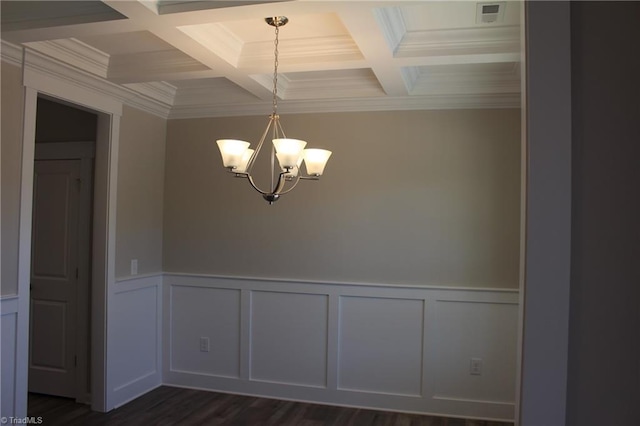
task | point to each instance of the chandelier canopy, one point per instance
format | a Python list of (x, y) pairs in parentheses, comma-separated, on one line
[(239, 158)]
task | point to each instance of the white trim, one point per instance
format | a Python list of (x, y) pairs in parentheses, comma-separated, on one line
[(10, 53), (76, 53), (474, 401), (24, 251), (52, 72), (159, 90), (9, 304), (153, 275), (112, 188), (123, 285), (337, 283), (56, 80), (439, 102), (36, 81)]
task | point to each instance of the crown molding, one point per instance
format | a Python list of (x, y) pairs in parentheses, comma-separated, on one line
[(459, 41), (259, 55), (453, 101), (392, 25), (217, 38), (502, 78), (154, 66), (160, 91), (53, 68), (75, 53), (348, 86), (154, 98), (11, 53)]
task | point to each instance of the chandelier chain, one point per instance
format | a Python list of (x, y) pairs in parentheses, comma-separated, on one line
[(275, 72)]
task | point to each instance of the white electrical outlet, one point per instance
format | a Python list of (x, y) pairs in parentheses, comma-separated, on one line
[(204, 344), (475, 367), (134, 266)]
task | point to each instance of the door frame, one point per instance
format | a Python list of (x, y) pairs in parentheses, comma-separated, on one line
[(109, 111)]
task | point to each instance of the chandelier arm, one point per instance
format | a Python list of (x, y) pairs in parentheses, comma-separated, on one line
[(281, 182), (253, 184), (295, 182), (259, 146), (279, 126), (278, 187), (273, 151)]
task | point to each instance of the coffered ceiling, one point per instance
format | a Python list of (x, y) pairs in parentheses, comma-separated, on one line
[(215, 58)]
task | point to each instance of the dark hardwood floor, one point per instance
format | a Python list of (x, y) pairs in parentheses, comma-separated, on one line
[(174, 406)]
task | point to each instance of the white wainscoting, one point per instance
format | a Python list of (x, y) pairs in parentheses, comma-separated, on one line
[(135, 338), (8, 324), (388, 347)]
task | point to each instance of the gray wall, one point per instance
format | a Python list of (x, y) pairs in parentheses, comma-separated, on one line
[(12, 110), (604, 343), (140, 188), (415, 197), (140, 192)]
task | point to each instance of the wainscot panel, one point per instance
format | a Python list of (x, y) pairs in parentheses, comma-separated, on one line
[(403, 348), (289, 338), (9, 322), (135, 336), (385, 336), (213, 314)]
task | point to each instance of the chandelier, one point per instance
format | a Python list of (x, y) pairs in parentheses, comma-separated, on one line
[(286, 172)]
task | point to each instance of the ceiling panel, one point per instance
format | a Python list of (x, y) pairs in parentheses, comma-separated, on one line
[(217, 57), (21, 15), (127, 42)]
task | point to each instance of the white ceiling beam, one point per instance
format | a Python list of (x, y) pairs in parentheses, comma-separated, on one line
[(71, 31), (151, 22), (457, 59), (247, 11), (368, 35)]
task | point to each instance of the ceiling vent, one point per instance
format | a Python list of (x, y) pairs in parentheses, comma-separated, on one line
[(490, 13)]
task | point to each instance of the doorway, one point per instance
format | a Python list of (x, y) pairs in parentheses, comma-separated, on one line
[(40, 84), (60, 279)]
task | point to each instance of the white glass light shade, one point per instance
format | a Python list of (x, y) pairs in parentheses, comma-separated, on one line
[(242, 168), (232, 151), (293, 172), (315, 160), (288, 151)]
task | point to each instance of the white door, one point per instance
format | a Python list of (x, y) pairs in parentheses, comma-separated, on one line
[(54, 279)]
